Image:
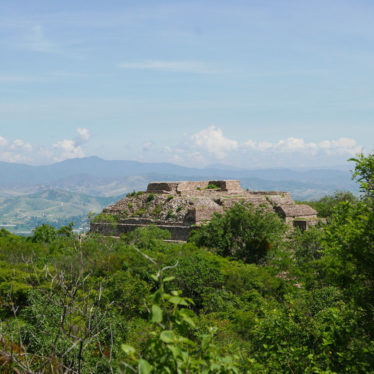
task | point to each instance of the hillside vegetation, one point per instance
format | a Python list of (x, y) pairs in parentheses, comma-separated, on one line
[(237, 298)]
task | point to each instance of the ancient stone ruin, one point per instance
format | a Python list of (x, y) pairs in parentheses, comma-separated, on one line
[(180, 206)]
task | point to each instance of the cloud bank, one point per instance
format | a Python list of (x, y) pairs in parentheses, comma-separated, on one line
[(208, 146), (21, 151), (211, 146)]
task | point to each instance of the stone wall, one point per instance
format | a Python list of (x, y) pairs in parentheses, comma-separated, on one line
[(188, 187), (230, 186), (163, 187)]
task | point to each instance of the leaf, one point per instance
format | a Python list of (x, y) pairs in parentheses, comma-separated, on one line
[(205, 342), (174, 350), (167, 336), (178, 300), (128, 349), (187, 318), (169, 279), (156, 314), (154, 277), (145, 367)]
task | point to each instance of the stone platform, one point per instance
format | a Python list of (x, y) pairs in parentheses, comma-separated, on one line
[(180, 206)]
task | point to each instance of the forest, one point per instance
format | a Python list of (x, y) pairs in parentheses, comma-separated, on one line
[(245, 294)]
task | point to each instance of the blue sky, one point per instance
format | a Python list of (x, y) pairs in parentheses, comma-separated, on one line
[(242, 83)]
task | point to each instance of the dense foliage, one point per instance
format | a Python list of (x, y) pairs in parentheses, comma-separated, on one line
[(243, 296), (326, 205), (244, 232)]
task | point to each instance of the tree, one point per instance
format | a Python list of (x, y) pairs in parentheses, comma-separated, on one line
[(44, 234), (66, 230), (170, 348), (364, 173), (326, 204), (244, 231), (349, 239)]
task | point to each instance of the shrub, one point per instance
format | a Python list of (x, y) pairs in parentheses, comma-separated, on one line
[(44, 234), (150, 197), (139, 212), (134, 193), (170, 348), (170, 214), (104, 218), (157, 210), (66, 231), (212, 186), (198, 275), (4, 233), (325, 206), (148, 237), (244, 232)]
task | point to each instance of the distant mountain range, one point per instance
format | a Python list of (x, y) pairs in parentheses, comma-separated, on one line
[(68, 190), (98, 177)]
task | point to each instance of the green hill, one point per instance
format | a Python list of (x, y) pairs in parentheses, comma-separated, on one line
[(52, 206)]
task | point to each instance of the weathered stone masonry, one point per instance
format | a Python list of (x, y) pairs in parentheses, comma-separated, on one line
[(179, 206)]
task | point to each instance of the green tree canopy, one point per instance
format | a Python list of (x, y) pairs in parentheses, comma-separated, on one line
[(244, 231)]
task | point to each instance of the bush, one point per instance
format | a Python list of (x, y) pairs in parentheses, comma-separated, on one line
[(134, 193), (198, 275), (212, 186), (170, 214), (44, 234), (148, 237), (4, 233), (325, 206), (243, 232), (156, 211), (150, 197), (104, 218)]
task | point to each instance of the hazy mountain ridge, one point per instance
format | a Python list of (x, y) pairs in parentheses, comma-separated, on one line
[(96, 176)]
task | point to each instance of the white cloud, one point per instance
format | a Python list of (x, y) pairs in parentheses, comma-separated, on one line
[(21, 145), (8, 156), (67, 149), (173, 66), (3, 142), (19, 150), (70, 148), (84, 134), (197, 158), (213, 141), (16, 151), (210, 146), (348, 145), (290, 145)]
